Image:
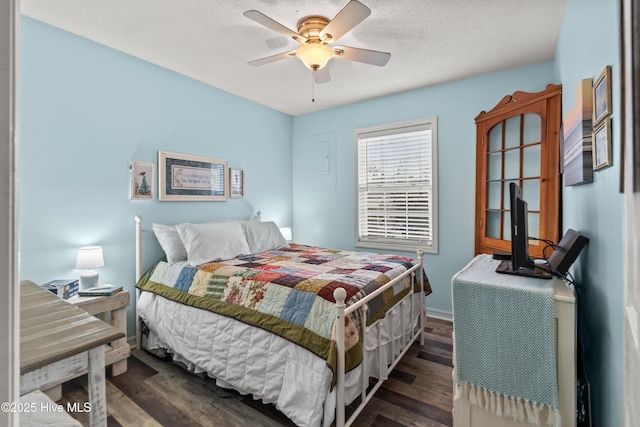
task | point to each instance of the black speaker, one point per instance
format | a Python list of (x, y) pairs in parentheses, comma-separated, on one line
[(567, 251)]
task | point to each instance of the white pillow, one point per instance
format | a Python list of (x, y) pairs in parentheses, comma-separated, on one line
[(263, 236), (170, 242), (212, 241)]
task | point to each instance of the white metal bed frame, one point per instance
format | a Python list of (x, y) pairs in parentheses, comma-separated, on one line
[(341, 311)]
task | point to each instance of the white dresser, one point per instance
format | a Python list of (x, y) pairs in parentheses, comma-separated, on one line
[(466, 414)]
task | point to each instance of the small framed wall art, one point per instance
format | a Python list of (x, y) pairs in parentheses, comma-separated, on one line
[(237, 182), (141, 181), (602, 96), (184, 177), (577, 136), (602, 145)]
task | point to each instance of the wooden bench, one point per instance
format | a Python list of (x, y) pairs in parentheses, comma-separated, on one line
[(59, 341)]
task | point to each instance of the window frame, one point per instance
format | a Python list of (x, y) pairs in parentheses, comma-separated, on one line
[(431, 246)]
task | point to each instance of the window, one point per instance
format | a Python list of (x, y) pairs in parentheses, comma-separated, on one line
[(396, 186)]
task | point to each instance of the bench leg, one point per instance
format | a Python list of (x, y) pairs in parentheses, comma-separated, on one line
[(97, 388)]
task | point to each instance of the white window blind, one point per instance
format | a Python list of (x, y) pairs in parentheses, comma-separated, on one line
[(396, 191)]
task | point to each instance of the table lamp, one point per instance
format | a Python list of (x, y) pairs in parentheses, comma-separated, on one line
[(89, 257)]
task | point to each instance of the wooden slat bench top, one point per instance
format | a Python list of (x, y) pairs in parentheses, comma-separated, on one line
[(52, 329)]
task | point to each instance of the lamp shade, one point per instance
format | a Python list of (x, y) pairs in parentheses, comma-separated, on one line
[(89, 257), (314, 55)]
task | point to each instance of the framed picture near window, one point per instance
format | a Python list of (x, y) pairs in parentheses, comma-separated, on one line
[(602, 96), (141, 185), (602, 145), (236, 178), (184, 177)]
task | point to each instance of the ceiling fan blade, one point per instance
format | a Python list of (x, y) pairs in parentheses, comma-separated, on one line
[(322, 75), (273, 58), (350, 16), (263, 19), (367, 56)]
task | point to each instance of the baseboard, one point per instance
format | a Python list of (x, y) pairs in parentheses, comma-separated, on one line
[(440, 314), (132, 342)]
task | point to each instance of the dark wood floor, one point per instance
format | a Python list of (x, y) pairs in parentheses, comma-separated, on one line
[(158, 393)]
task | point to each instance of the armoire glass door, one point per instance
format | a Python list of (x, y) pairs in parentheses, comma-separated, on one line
[(513, 156), (517, 146)]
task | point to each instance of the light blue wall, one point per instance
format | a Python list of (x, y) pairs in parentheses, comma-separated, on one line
[(86, 112), (589, 41), (324, 214)]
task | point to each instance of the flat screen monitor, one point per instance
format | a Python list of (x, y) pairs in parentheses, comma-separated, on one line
[(520, 264)]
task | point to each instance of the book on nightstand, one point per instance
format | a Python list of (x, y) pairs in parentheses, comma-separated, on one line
[(64, 288), (100, 290)]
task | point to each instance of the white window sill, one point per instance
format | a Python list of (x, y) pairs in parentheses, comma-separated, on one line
[(396, 247)]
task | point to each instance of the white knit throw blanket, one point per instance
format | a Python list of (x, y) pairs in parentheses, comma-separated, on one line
[(505, 342)]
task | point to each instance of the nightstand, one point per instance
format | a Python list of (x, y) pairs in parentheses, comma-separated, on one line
[(113, 310)]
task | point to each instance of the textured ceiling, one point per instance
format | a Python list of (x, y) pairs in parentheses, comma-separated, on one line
[(430, 41)]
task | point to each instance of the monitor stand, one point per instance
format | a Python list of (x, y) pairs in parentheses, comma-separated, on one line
[(506, 267)]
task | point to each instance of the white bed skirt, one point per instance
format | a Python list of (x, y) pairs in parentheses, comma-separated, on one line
[(270, 368)]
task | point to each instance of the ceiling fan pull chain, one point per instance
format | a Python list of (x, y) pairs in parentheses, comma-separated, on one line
[(313, 86)]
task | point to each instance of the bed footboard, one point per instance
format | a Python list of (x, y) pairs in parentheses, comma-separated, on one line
[(340, 294)]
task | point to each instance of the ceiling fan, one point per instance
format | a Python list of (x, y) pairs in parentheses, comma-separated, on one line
[(316, 35)]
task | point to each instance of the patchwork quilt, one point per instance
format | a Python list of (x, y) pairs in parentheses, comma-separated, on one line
[(289, 292)]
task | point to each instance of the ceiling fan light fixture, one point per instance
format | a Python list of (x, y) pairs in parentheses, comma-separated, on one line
[(314, 55)]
